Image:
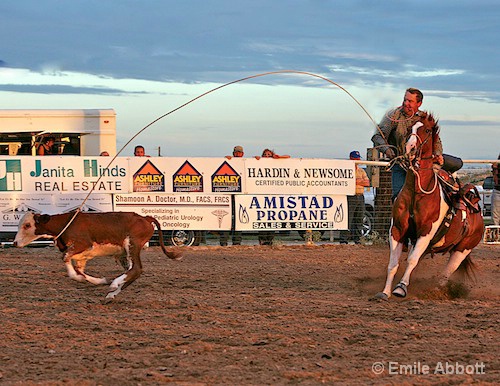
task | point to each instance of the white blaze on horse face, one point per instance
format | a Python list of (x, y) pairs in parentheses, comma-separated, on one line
[(412, 141)]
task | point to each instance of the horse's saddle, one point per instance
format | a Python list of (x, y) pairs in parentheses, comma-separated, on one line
[(464, 197)]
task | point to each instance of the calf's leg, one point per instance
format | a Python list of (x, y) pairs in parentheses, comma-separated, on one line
[(77, 272), (124, 280)]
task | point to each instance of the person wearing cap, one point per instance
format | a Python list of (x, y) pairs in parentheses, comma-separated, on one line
[(237, 152), (224, 235), (495, 196), (356, 204), (266, 237)]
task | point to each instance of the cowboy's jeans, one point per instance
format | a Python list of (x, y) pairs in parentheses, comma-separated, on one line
[(398, 180), (356, 209), (495, 207)]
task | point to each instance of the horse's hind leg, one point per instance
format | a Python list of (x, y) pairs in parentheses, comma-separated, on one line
[(454, 262)]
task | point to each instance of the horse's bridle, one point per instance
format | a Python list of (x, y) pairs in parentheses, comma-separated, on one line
[(417, 151)]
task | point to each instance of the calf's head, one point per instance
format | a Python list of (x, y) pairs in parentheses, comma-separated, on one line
[(31, 229)]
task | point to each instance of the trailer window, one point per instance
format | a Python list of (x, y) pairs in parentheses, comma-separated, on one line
[(27, 143), (12, 141)]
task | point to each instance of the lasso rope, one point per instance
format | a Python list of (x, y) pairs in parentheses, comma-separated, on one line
[(201, 96), (399, 120), (418, 151), (420, 185)]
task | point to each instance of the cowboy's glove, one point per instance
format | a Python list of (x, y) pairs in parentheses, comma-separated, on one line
[(390, 153)]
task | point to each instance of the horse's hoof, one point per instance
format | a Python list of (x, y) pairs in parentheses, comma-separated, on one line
[(108, 299), (400, 290), (380, 296)]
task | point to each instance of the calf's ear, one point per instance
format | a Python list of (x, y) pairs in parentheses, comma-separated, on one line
[(42, 218)]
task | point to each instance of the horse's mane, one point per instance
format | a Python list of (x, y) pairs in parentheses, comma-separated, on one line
[(429, 120)]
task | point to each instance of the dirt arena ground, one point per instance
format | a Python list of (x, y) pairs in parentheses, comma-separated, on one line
[(247, 315)]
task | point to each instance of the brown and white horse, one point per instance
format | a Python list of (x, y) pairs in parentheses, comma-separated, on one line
[(419, 211)]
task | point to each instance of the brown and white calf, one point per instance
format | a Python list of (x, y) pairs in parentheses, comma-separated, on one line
[(121, 235)]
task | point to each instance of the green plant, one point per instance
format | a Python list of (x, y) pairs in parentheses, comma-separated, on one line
[(374, 238)]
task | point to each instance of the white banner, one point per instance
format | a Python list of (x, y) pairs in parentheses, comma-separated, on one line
[(299, 176), (71, 174), (63, 175), (179, 211), (13, 207), (186, 175), (186, 193), (300, 212)]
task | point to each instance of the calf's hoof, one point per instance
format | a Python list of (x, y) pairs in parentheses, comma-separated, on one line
[(110, 297), (400, 290), (175, 253), (380, 296)]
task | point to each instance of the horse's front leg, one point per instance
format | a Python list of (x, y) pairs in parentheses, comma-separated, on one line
[(392, 268), (413, 258)]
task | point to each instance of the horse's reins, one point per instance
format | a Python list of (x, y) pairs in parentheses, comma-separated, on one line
[(398, 158), (418, 150)]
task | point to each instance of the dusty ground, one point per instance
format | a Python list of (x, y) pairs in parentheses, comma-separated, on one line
[(246, 315)]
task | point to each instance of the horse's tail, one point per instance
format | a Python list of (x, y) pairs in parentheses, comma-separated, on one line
[(468, 268), (171, 253)]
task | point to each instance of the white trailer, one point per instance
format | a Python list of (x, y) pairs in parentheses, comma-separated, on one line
[(85, 132)]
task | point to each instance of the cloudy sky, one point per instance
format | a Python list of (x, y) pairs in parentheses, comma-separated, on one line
[(146, 58)]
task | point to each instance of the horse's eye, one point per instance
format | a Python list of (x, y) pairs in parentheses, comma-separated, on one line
[(427, 131)]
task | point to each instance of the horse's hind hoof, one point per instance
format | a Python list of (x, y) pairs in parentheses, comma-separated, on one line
[(107, 300), (400, 290), (380, 296)]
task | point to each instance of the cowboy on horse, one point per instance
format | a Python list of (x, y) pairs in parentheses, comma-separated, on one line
[(395, 128), (422, 214)]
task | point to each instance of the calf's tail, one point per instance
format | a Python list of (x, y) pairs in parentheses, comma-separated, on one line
[(173, 252)]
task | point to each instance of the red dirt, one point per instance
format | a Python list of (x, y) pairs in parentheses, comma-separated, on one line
[(246, 315)]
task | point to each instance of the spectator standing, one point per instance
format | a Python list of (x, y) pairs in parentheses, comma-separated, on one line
[(139, 151), (46, 148), (266, 237), (237, 152), (495, 196), (356, 204), (224, 235)]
